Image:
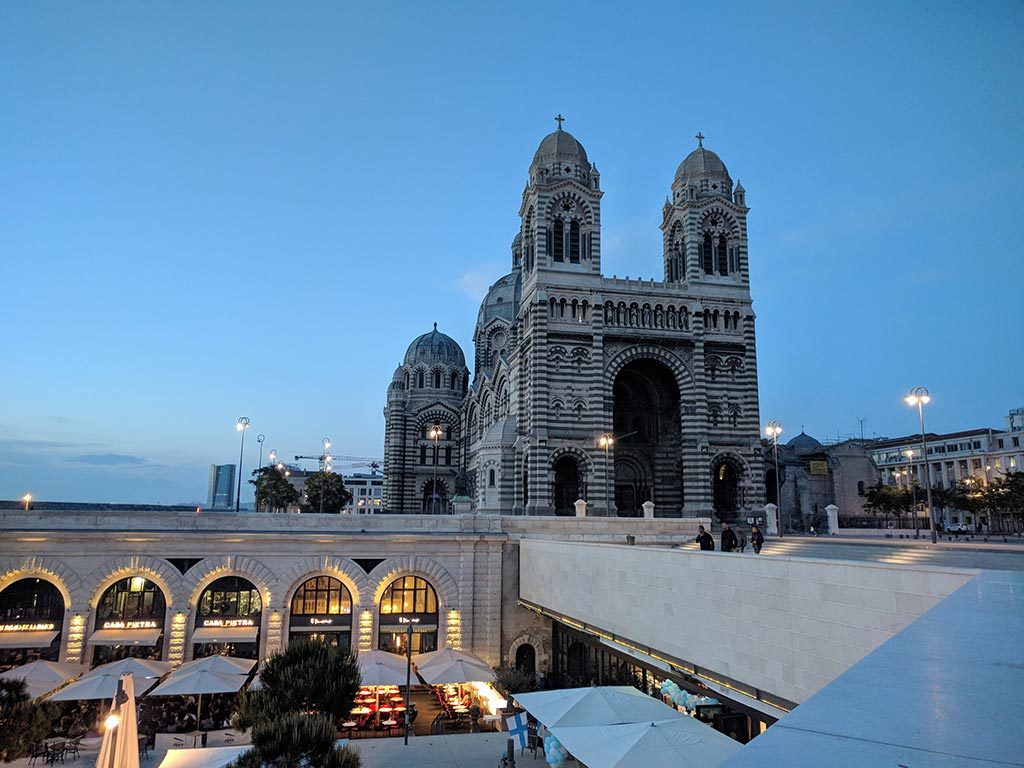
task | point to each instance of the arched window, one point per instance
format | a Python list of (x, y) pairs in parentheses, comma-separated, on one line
[(860, 487), (437, 379), (423, 454), (408, 597), (723, 255), (574, 241), (419, 379), (31, 618), (706, 257), (455, 380), (558, 241), (322, 610), (228, 619), (490, 478), (129, 621)]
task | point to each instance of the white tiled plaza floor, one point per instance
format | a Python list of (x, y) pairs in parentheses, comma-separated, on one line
[(477, 750)]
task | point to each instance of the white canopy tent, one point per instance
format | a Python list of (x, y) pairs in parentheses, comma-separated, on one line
[(210, 757), (382, 668), (682, 742), (605, 705), (41, 677), (101, 683)]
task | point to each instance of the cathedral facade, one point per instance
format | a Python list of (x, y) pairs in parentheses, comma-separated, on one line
[(614, 391)]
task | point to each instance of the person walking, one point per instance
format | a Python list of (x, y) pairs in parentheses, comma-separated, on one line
[(756, 539), (704, 539), (728, 538), (741, 540)]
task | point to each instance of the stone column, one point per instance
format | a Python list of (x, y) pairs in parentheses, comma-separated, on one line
[(648, 510), (771, 520), (581, 508), (833, 518)]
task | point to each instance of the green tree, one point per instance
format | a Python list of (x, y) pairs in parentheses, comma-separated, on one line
[(296, 739), (512, 680), (333, 489), (887, 500), (22, 720), (273, 491)]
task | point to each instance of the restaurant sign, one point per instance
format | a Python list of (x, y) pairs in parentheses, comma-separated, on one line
[(36, 626), (135, 624), (229, 623), (819, 467), (344, 620)]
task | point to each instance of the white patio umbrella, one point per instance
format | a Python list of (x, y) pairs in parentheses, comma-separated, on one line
[(120, 745), (681, 742), (209, 757), (446, 655), (458, 671), (225, 665), (101, 683), (41, 677), (197, 682), (382, 668), (604, 705), (137, 667)]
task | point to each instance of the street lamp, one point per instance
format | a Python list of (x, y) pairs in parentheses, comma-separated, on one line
[(260, 439), (325, 467), (27, 498), (606, 441), (241, 425), (909, 453), (773, 430), (919, 396), (272, 456), (408, 621), (434, 433)]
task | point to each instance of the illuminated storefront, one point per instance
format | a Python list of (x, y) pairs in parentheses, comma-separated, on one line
[(228, 619), (129, 621), (414, 599), (322, 609), (31, 618)]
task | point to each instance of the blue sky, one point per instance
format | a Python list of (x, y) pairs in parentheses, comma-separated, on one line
[(210, 210)]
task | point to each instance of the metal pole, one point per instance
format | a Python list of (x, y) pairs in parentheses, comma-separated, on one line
[(238, 495), (778, 493), (408, 679), (913, 500), (927, 472), (433, 495), (607, 480)]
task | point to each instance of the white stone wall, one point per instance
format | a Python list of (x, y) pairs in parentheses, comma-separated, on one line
[(783, 625)]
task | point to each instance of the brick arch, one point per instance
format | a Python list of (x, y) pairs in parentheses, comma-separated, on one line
[(341, 568), (680, 369), (200, 576), (733, 458), (416, 565), (585, 464), (541, 648), (56, 572), (161, 572), (582, 204)]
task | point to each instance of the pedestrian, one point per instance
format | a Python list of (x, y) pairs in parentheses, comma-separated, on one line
[(756, 539), (704, 539), (728, 538), (741, 539)]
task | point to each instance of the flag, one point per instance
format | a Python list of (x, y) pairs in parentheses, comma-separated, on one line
[(516, 726)]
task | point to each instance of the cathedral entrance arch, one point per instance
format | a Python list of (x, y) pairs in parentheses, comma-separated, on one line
[(725, 486), (648, 439), (526, 659), (435, 498), (567, 485)]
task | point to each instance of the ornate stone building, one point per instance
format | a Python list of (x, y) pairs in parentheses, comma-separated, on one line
[(565, 355)]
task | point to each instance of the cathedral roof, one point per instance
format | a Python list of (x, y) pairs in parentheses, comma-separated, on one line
[(502, 299), (557, 146), (804, 445), (435, 347), (701, 164)]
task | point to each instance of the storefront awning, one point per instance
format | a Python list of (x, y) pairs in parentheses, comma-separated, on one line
[(225, 635), (148, 636), (27, 639)]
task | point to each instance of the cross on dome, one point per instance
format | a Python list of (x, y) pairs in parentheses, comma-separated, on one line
[(559, 119), (700, 139)]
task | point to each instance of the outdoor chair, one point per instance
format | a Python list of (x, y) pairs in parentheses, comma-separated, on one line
[(72, 746), (36, 750)]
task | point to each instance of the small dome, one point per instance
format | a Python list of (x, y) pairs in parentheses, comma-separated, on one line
[(560, 146), (804, 445), (702, 164), (503, 432), (435, 347), (502, 300)]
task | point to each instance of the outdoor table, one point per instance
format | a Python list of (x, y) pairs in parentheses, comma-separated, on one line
[(390, 723), (360, 710), (384, 709)]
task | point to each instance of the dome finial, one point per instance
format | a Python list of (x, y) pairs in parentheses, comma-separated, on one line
[(435, 325), (700, 139), (559, 119)]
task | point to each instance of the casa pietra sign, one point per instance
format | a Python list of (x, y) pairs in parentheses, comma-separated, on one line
[(229, 623), (136, 624)]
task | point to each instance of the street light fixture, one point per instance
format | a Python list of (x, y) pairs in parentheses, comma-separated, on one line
[(27, 498), (773, 430), (435, 433), (909, 453), (272, 456), (241, 425), (606, 441), (259, 439), (325, 467), (919, 396)]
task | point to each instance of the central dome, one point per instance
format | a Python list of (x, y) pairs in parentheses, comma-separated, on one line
[(502, 300), (560, 146), (435, 347), (701, 164)]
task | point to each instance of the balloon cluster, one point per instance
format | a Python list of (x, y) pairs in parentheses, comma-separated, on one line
[(554, 752), (681, 698)]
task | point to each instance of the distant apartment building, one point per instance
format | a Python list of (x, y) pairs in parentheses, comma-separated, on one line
[(222, 486), (367, 493)]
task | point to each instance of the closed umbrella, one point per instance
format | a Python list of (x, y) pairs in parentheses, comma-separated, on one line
[(605, 705), (120, 746), (41, 677), (382, 668), (197, 682), (681, 742)]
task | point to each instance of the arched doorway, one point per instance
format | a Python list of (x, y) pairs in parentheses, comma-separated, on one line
[(228, 618), (648, 438), (526, 659), (435, 502), (408, 601), (725, 485), (129, 621), (567, 486), (576, 664), (322, 610), (31, 618), (769, 487)]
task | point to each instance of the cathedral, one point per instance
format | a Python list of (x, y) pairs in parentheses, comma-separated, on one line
[(611, 390)]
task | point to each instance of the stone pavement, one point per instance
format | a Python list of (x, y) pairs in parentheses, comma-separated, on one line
[(477, 750)]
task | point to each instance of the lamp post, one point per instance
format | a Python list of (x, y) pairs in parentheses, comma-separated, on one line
[(909, 453), (606, 441), (325, 466), (259, 439), (27, 498), (919, 396), (408, 666), (434, 433), (241, 425), (773, 430)]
